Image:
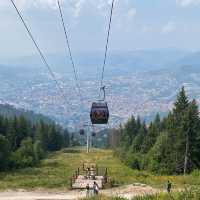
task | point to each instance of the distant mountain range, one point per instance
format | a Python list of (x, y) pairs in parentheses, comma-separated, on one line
[(140, 82), (138, 60)]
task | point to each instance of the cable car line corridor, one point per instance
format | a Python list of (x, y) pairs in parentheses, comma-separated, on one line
[(99, 113), (66, 134)]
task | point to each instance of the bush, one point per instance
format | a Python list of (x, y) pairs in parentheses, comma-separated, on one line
[(134, 160), (25, 155), (158, 159)]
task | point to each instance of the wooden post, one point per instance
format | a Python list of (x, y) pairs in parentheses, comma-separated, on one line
[(97, 171), (73, 177), (71, 183), (106, 175)]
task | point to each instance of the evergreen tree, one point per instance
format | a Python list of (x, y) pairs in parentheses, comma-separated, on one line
[(23, 143), (192, 133), (2, 127), (171, 145), (157, 123), (41, 134), (66, 138), (150, 138), (4, 152), (138, 142), (129, 132), (138, 123), (55, 139), (12, 134), (180, 107)]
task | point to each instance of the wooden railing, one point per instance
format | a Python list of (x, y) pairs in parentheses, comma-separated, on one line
[(98, 171)]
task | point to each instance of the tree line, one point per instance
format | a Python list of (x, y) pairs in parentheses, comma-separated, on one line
[(24, 143), (166, 146), (8, 110)]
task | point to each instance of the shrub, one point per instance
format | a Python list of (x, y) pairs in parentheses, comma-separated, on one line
[(24, 156)]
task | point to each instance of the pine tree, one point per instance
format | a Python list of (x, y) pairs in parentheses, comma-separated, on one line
[(150, 138), (55, 139), (138, 123), (180, 127), (180, 106), (192, 132), (157, 123), (4, 152), (41, 134), (22, 130), (12, 135), (66, 138), (129, 132), (2, 127), (138, 142), (171, 145)]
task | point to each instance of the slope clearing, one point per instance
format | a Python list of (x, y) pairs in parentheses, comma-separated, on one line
[(55, 172)]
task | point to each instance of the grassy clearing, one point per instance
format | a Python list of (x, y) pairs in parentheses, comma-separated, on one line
[(192, 194), (56, 170)]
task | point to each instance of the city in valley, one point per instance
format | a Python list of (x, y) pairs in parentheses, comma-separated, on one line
[(131, 88)]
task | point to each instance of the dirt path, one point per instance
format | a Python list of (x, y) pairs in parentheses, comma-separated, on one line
[(131, 191), (128, 192)]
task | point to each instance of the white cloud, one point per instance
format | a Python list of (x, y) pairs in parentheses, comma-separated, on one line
[(24, 4), (131, 13), (168, 28), (76, 7), (186, 3)]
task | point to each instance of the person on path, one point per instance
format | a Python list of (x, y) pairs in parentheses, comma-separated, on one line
[(88, 172), (87, 191), (169, 186), (95, 188)]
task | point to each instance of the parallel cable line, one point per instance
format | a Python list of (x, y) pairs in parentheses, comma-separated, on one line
[(107, 43), (38, 49), (70, 52)]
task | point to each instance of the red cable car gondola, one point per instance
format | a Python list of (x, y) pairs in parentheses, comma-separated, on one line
[(99, 112)]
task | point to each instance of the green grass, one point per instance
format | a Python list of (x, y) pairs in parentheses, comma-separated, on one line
[(56, 170), (192, 194)]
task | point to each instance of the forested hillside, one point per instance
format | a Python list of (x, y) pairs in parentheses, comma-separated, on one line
[(167, 146), (7, 110), (24, 143)]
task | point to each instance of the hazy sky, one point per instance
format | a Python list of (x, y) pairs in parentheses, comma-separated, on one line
[(137, 24)]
